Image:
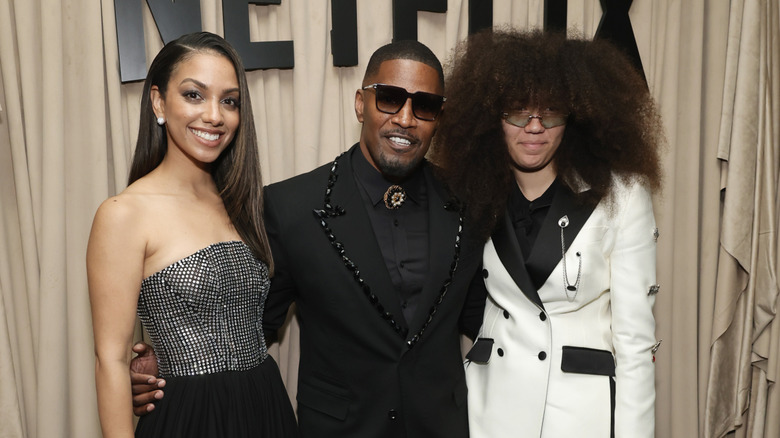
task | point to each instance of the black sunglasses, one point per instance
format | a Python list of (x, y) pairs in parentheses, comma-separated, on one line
[(390, 100)]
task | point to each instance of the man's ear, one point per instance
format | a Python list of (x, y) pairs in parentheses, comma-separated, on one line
[(359, 105), (158, 103)]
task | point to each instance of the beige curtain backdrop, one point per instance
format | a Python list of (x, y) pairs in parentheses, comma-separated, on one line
[(68, 126), (744, 364)]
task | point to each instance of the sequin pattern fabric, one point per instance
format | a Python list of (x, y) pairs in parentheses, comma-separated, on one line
[(204, 313)]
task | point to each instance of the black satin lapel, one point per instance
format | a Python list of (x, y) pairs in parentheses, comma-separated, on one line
[(353, 229), (546, 253), (511, 256)]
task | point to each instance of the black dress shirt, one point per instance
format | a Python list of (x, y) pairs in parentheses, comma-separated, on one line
[(528, 217), (402, 233)]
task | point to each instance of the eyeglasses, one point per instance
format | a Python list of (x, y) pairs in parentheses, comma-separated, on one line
[(548, 119), (390, 100)]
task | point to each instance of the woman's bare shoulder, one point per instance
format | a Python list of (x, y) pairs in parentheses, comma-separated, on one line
[(130, 211)]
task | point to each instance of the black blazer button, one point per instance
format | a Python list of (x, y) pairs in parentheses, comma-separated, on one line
[(484, 273), (542, 316), (392, 414), (506, 314), (542, 355), (500, 352)]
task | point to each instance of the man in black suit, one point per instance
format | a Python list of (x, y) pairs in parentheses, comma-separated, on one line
[(374, 253)]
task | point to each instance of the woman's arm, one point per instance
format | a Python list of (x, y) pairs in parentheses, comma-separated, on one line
[(633, 262), (115, 260)]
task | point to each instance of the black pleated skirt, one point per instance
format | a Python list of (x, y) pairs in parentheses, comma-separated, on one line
[(232, 404)]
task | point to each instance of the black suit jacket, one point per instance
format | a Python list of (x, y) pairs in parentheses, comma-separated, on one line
[(358, 375)]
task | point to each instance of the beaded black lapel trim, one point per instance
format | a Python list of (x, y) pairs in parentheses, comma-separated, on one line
[(330, 210)]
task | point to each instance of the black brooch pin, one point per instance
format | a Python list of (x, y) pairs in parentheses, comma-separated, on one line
[(394, 197)]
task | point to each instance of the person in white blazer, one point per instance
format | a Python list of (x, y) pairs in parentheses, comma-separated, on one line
[(553, 146)]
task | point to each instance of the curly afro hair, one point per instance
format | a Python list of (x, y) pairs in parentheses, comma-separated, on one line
[(613, 129)]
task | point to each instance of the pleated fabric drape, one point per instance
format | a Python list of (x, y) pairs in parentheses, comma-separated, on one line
[(741, 395)]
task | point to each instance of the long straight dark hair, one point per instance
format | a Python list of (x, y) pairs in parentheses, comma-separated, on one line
[(237, 170)]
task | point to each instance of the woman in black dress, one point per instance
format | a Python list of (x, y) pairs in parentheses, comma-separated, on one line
[(184, 246)]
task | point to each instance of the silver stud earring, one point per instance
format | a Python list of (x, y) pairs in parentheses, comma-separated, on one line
[(160, 121)]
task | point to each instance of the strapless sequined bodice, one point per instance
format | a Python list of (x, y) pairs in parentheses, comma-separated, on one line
[(204, 313)]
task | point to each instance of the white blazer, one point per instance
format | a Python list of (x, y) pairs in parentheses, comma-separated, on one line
[(548, 372)]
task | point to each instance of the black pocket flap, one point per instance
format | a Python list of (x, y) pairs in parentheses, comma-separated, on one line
[(583, 360), (481, 350)]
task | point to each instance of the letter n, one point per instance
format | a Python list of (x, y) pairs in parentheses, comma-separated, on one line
[(172, 19)]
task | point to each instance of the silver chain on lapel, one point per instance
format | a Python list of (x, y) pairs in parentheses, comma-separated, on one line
[(563, 223)]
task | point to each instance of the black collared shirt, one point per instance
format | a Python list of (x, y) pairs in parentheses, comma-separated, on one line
[(528, 216), (402, 233)]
